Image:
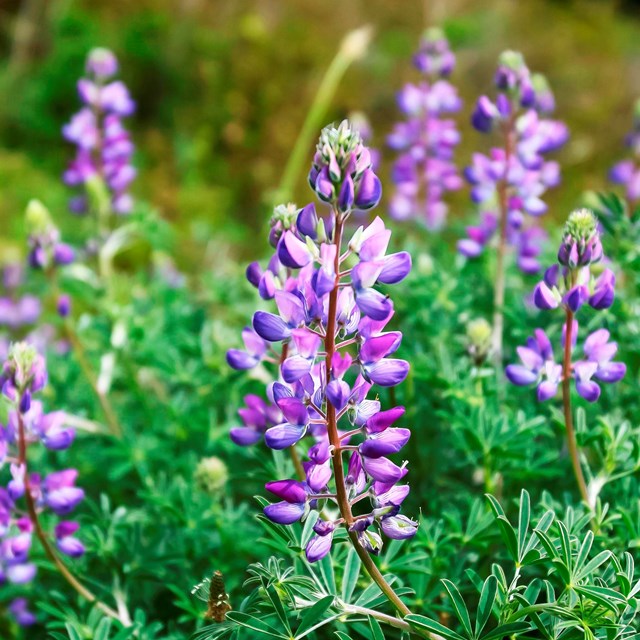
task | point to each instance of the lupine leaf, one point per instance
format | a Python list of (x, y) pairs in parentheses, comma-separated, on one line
[(313, 615), (459, 605), (350, 575), (256, 624), (376, 631), (485, 605), (422, 622)]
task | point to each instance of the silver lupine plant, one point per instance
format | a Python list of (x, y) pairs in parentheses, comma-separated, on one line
[(27, 494), (331, 323), (424, 170)]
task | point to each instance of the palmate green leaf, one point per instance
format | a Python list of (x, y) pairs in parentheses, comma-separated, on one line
[(485, 605), (274, 597), (508, 533), (509, 630), (524, 517), (342, 635), (313, 615), (462, 613), (103, 629), (376, 631), (605, 597), (73, 634), (350, 575), (422, 622), (255, 624)]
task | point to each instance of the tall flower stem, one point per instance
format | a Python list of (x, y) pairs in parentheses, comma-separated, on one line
[(105, 404), (499, 286), (572, 444), (42, 536), (334, 439)]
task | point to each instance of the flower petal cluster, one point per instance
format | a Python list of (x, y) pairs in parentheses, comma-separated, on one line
[(103, 145), (23, 375), (568, 285), (16, 310), (514, 176), (424, 169), (328, 336), (627, 172)]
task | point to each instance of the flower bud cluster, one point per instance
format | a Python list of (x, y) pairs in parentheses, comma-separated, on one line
[(627, 172), (424, 170), (27, 493), (511, 180), (104, 147), (569, 285), (330, 345)]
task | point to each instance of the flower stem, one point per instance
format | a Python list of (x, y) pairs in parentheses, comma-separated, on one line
[(499, 287), (42, 536), (85, 366), (572, 444), (334, 439)]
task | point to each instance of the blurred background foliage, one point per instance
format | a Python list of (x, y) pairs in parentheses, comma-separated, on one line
[(223, 88)]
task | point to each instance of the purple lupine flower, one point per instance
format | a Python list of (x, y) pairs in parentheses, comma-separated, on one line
[(45, 248), (509, 182), (104, 147), (23, 375), (424, 169), (627, 172), (330, 333), (569, 284)]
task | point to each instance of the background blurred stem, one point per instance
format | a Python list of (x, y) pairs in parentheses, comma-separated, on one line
[(353, 47), (498, 292)]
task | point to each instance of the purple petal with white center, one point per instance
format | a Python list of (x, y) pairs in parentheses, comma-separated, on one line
[(318, 547), (396, 268), (365, 274), (284, 512), (385, 443), (394, 495), (270, 327), (284, 435), (398, 527), (388, 372), (519, 375), (291, 307), (292, 252), (530, 358), (544, 298), (546, 390)]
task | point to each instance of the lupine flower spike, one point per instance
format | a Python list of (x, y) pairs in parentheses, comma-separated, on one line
[(332, 322), (627, 172), (102, 164), (424, 170), (23, 376), (509, 182), (568, 285)]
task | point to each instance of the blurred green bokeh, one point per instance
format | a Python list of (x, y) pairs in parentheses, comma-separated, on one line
[(223, 88)]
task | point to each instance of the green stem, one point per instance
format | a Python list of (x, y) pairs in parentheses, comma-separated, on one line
[(574, 452), (499, 287), (334, 438), (352, 47), (42, 536)]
